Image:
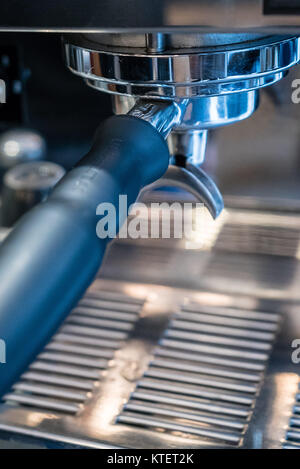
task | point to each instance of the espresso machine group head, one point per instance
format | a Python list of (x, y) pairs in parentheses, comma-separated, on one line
[(214, 78)]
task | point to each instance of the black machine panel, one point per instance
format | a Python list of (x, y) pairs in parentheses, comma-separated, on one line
[(282, 7), (114, 15)]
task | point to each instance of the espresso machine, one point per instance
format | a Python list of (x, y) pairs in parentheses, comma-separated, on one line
[(151, 342)]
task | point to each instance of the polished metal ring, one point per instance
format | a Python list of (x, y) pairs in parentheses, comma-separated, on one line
[(210, 71), (207, 112)]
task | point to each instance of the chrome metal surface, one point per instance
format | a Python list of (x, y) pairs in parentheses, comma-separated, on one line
[(77, 356), (176, 40), (216, 111), (184, 364), (193, 180), (25, 185), (34, 176), (189, 130), (170, 91), (206, 112), (155, 42), (163, 116), (20, 146), (190, 143), (180, 73), (232, 390)]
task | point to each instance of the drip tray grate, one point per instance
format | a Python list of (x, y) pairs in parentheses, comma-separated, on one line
[(206, 373), (147, 366), (72, 364)]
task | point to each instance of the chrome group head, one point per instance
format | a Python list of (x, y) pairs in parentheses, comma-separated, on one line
[(187, 83)]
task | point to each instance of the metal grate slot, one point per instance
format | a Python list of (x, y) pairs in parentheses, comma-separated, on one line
[(206, 373), (221, 330), (211, 360), (66, 370), (40, 402), (196, 317), (196, 391), (109, 305), (64, 374), (223, 436), (218, 340), (114, 297), (192, 403), (184, 415), (207, 370), (80, 350), (73, 360), (292, 438), (93, 332), (230, 312), (105, 314), (101, 323), (95, 342), (45, 390), (195, 379), (65, 382), (210, 349), (259, 239)]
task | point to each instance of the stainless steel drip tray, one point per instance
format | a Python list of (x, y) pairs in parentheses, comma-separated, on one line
[(202, 360), (145, 366)]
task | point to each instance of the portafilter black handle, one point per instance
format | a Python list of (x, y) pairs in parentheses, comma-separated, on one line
[(53, 253)]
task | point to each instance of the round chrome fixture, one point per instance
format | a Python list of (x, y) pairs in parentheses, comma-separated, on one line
[(182, 72), (205, 112)]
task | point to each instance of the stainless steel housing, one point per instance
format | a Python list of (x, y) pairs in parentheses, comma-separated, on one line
[(182, 73), (204, 112)]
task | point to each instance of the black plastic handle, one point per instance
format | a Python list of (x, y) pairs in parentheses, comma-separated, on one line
[(53, 253)]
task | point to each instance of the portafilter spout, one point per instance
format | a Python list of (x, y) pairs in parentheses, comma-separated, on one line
[(165, 116)]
